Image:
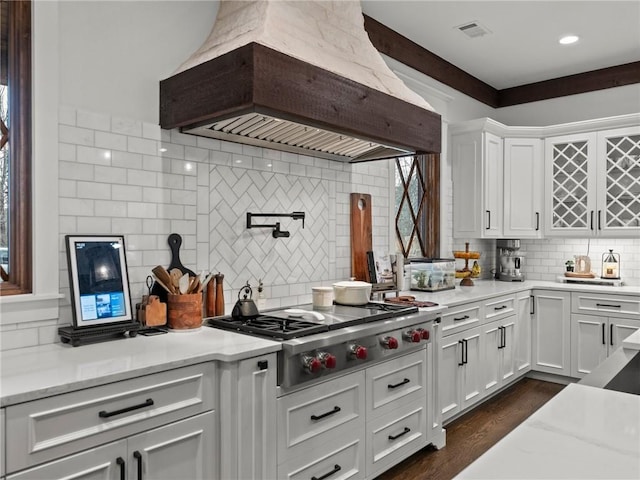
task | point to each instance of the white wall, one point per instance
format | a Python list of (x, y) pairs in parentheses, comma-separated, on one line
[(113, 54)]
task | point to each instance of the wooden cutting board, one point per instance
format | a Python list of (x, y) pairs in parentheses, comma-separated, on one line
[(361, 235)]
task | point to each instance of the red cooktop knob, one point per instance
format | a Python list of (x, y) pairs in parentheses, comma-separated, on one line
[(359, 352), (412, 336), (390, 343), (311, 364), (424, 333), (328, 360)]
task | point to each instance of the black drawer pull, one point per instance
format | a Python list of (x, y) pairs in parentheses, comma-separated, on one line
[(123, 469), (404, 432), (104, 414), (319, 417), (403, 382), (336, 469), (138, 456), (500, 308), (609, 305), (457, 319)]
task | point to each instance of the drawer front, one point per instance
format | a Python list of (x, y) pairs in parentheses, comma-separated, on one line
[(393, 437), (52, 427), (319, 414), (460, 318), (396, 383), (497, 308), (625, 306), (339, 463)]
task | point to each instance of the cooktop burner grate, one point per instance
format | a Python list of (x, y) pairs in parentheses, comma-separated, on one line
[(267, 326)]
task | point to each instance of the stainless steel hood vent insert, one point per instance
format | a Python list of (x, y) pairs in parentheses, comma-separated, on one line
[(265, 131)]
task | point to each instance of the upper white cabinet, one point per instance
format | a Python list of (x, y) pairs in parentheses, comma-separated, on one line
[(477, 184), (592, 183), (523, 167)]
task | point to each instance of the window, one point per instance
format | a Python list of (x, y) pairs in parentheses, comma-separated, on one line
[(417, 190), (15, 159)]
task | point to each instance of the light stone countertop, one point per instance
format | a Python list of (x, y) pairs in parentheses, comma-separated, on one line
[(583, 432), (36, 372)]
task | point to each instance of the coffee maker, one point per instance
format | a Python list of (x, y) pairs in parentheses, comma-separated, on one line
[(511, 259)]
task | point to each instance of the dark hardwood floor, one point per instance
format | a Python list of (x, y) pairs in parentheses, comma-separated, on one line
[(474, 433)]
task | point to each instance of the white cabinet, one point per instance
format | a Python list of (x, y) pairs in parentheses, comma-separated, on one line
[(2, 469), (161, 425), (180, 450), (551, 332), (523, 199), (523, 333), (498, 353), (460, 372), (477, 185), (592, 184), (248, 425), (599, 323)]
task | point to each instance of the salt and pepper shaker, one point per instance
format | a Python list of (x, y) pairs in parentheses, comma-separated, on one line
[(219, 296), (211, 298)]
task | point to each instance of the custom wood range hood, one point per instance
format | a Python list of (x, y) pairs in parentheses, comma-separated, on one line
[(298, 76)]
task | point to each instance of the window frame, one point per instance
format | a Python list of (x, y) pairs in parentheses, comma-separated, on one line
[(19, 52), (426, 220)]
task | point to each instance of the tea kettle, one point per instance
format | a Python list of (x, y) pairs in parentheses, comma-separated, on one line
[(245, 308)]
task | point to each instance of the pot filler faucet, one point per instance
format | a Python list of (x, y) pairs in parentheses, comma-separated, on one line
[(277, 233)]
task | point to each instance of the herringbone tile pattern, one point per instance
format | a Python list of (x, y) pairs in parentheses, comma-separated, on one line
[(248, 254)]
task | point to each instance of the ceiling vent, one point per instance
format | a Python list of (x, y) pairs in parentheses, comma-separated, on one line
[(473, 29)]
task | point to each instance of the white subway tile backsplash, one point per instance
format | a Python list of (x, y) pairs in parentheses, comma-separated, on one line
[(75, 135), (111, 141), (92, 120), (141, 209), (75, 207), (126, 126), (67, 115), (141, 178), (110, 174), (98, 191), (94, 225), (151, 131), (67, 152), (142, 145), (110, 208), (127, 193)]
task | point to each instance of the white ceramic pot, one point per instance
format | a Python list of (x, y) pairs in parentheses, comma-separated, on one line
[(352, 292), (322, 298)]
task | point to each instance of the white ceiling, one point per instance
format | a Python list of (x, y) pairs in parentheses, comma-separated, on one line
[(523, 46)]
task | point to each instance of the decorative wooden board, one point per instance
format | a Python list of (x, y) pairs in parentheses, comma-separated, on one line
[(361, 235), (579, 275)]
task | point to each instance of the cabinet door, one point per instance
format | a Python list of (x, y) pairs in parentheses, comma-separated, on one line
[(181, 450), (101, 463), (523, 169), (619, 329), (551, 332), (492, 180), (508, 347), (466, 155), (570, 185), (523, 334), (618, 174), (588, 343), (450, 373), (491, 356), (471, 371)]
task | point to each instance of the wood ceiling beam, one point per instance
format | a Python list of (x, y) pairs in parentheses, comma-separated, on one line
[(400, 48)]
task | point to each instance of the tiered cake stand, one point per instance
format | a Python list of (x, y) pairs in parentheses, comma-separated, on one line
[(465, 273)]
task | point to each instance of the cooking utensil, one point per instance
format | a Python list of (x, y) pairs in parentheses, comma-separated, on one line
[(161, 284), (149, 282), (163, 278), (352, 292), (361, 234), (245, 308)]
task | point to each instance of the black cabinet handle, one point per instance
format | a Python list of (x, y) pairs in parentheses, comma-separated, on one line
[(138, 456), (604, 341), (120, 462), (599, 220), (608, 305), (465, 351), (320, 417), (611, 334), (461, 362), (504, 337), (403, 432), (403, 382), (591, 219), (537, 221), (104, 414), (336, 469), (263, 364), (532, 310), (500, 308), (500, 344), (488, 219), (457, 319)]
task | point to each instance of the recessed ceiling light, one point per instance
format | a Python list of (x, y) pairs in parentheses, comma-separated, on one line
[(568, 39)]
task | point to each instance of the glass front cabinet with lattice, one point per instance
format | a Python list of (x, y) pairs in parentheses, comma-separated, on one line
[(592, 184)]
